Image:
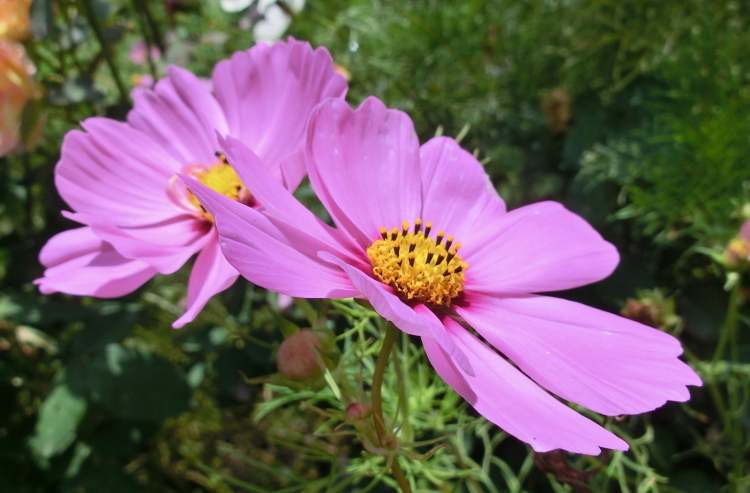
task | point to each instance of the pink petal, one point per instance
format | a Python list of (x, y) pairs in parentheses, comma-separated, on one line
[(268, 92), (293, 169), (115, 172), (165, 245), (364, 166), (509, 399), (458, 195), (181, 115), (414, 321), (211, 274), (745, 231), (539, 247), (79, 263), (271, 254), (265, 185), (607, 363)]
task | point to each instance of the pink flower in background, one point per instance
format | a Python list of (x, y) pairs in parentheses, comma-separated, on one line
[(139, 52), (745, 231), (423, 236), (120, 178)]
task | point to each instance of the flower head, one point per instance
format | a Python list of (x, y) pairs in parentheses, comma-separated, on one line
[(140, 52), (121, 178), (14, 19), (17, 87), (422, 234)]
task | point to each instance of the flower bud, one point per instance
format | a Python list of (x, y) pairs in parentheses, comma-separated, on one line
[(642, 311), (298, 358), (654, 309), (357, 411), (557, 108)]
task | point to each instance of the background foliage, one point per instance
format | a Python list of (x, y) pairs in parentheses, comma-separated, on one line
[(635, 113)]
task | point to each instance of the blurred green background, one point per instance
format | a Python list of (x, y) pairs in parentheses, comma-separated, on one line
[(634, 113)]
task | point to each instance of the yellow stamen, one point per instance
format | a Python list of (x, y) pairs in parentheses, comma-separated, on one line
[(417, 266), (222, 178)]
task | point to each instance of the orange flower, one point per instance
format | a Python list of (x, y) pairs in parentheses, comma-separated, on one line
[(16, 88), (14, 19)]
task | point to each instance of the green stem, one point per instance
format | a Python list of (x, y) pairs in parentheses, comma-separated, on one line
[(730, 412), (398, 474), (400, 361), (152, 24), (146, 39), (97, 28), (729, 329), (377, 403), (377, 382)]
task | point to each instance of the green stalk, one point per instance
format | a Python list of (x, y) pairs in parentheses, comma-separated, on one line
[(145, 35), (88, 10), (400, 361), (153, 24), (730, 412), (377, 403)]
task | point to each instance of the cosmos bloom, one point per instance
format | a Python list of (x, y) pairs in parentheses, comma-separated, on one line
[(139, 53), (17, 87), (423, 236), (14, 19), (121, 178)]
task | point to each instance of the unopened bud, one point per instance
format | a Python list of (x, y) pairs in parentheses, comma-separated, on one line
[(642, 311), (297, 358), (557, 108), (357, 411)]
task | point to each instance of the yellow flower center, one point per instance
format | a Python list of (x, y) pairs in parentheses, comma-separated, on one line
[(223, 179), (418, 267)]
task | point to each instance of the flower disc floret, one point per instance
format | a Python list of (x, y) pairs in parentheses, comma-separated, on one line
[(221, 178), (419, 267)]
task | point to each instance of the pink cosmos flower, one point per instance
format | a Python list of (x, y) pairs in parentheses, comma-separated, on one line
[(745, 231), (140, 51), (120, 178), (424, 237)]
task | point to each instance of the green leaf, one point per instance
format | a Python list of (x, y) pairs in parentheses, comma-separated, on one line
[(58, 421), (131, 384)]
